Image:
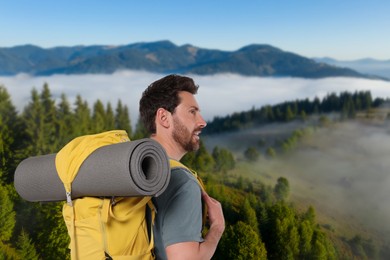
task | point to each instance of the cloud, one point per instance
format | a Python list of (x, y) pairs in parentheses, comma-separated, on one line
[(219, 95)]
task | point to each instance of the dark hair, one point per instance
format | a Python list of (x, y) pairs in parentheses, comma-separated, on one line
[(163, 93)]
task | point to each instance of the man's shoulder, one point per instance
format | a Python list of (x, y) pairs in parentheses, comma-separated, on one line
[(181, 182), (181, 175)]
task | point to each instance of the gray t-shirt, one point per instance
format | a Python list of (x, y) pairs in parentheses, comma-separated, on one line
[(179, 212)]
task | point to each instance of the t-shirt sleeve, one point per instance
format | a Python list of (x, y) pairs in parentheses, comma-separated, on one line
[(183, 217)]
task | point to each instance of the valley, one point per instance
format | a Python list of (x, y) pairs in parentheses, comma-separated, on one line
[(341, 169)]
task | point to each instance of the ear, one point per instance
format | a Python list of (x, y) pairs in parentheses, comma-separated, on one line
[(163, 117)]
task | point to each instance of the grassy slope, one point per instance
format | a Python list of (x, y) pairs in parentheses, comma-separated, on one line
[(341, 170)]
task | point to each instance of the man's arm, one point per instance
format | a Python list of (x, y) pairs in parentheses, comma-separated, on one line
[(206, 249)]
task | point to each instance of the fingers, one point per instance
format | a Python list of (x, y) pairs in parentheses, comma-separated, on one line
[(211, 202), (207, 198)]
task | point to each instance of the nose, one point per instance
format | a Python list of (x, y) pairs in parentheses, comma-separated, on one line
[(201, 122)]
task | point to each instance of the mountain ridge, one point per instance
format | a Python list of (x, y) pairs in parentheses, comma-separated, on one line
[(368, 66), (166, 57)]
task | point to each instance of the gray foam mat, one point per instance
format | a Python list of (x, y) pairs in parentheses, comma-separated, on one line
[(136, 168)]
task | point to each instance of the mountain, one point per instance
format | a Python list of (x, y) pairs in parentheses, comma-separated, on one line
[(165, 57), (368, 66)]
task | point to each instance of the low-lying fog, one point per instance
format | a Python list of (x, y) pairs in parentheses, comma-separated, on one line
[(343, 171), (219, 95), (348, 170)]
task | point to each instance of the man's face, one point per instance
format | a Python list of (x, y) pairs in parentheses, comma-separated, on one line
[(187, 122)]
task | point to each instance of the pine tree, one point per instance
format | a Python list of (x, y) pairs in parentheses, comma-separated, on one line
[(321, 247), (34, 126), (25, 247), (7, 215), (140, 130), (251, 154), (65, 119), (241, 242), (52, 238), (98, 117), (282, 188), (109, 118), (204, 162), (8, 252), (122, 118), (50, 124), (282, 238), (9, 131), (82, 117), (288, 115), (223, 159), (305, 239), (248, 215)]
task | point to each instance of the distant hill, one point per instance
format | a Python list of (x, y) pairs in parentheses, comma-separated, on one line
[(165, 57), (368, 66)]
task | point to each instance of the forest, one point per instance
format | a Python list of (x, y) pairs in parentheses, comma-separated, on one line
[(261, 222)]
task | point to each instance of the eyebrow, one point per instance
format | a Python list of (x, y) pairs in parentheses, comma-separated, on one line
[(194, 107)]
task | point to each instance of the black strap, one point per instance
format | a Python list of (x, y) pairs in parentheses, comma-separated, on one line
[(108, 257)]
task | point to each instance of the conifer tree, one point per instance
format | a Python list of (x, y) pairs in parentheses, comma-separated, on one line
[(82, 117), (49, 120), (98, 117), (223, 159), (8, 252), (140, 130), (25, 247), (204, 162), (270, 113), (34, 126), (310, 215), (270, 152), (321, 247), (248, 215), (9, 131), (241, 242), (251, 154), (52, 238), (65, 119), (282, 188), (288, 115), (189, 160), (109, 118), (282, 236), (122, 118), (305, 239), (7, 215)]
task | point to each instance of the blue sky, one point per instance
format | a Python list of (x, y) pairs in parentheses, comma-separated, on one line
[(341, 29)]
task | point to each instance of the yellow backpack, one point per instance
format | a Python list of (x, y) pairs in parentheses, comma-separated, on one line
[(105, 228)]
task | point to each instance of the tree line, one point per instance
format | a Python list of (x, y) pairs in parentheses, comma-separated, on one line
[(261, 224), (345, 104)]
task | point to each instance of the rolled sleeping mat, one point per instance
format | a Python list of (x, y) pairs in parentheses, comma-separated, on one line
[(136, 168)]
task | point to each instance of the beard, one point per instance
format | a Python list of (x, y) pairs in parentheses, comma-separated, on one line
[(184, 137)]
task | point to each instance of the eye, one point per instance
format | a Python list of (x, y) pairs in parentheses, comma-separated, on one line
[(193, 111)]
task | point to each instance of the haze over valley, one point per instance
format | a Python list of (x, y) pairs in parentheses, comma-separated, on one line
[(219, 95), (342, 170)]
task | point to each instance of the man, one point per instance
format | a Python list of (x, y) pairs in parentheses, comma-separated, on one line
[(171, 114)]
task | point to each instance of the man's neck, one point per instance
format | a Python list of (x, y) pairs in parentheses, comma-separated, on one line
[(170, 147)]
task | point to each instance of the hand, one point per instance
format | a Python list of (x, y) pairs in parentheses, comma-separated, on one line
[(215, 213), (206, 249)]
